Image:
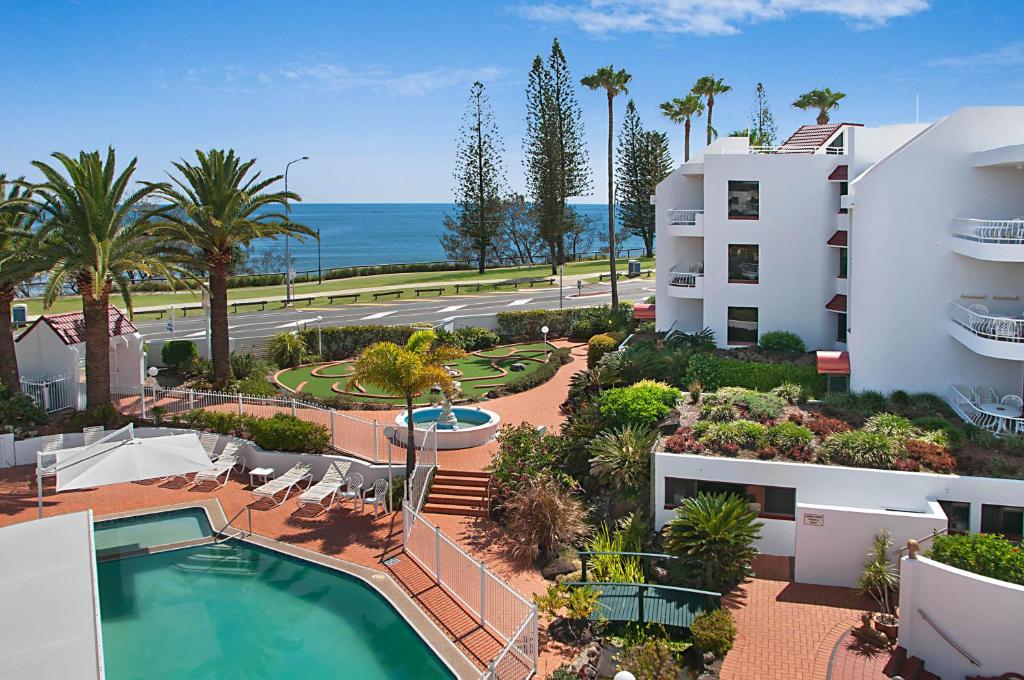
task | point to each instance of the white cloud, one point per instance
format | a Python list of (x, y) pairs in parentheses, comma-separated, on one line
[(709, 17), (1007, 56)]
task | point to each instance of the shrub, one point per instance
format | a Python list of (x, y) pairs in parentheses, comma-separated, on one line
[(345, 342), (179, 355), (704, 368), (284, 432), (642, 404), (598, 346), (717, 413), (255, 385), (787, 436), (954, 436), (791, 393), (757, 405), (715, 372), (245, 365), (932, 456), (543, 517), (895, 427), (683, 442), (287, 350), (472, 339), (823, 426), (989, 555), (713, 631), (18, 410), (858, 448), (527, 381), (523, 453), (649, 659), (563, 672), (221, 422), (695, 389), (744, 434), (783, 342)]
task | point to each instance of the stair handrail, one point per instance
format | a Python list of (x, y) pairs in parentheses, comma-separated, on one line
[(929, 537), (221, 537), (945, 636)]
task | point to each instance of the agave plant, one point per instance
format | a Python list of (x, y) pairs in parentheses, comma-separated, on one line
[(621, 460)]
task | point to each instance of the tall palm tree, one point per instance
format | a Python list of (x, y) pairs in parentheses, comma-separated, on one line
[(708, 87), (95, 234), (824, 100), (613, 83), (683, 111), (220, 206), (19, 262), (407, 370)]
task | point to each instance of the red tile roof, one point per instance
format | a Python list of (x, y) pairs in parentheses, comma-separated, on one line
[(70, 327), (840, 239), (812, 136), (840, 174), (837, 304), (834, 363)]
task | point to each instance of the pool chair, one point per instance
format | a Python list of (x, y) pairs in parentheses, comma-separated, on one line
[(286, 482), (353, 489), (209, 442), (223, 466), (47, 463), (92, 434), (325, 492), (379, 499)]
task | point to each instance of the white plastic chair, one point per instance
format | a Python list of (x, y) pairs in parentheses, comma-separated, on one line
[(353, 489), (93, 434), (379, 499), (1012, 400), (986, 394)]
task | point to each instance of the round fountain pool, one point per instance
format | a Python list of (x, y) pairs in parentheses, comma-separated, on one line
[(472, 427)]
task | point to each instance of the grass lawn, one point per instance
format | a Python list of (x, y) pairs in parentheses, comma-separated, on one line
[(478, 375), (410, 281)]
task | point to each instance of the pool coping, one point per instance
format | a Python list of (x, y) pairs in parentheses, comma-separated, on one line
[(381, 582)]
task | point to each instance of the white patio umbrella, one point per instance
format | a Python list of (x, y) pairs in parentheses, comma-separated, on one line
[(109, 461)]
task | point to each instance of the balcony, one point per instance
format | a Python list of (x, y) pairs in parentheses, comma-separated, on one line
[(993, 240), (686, 222), (982, 406), (687, 284), (996, 334)]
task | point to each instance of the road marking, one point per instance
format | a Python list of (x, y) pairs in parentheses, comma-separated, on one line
[(378, 315), (453, 308), (521, 301)]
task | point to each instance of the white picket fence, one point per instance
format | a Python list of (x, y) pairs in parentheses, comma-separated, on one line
[(426, 464), (52, 393), (509, 616)]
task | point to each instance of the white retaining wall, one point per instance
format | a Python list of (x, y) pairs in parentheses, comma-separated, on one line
[(982, 615)]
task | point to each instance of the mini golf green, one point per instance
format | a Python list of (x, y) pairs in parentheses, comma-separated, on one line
[(481, 371)]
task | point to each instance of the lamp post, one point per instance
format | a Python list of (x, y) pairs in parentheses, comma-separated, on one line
[(544, 332), (288, 239), (319, 338)]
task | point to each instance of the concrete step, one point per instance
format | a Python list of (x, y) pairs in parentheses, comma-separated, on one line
[(912, 669), (466, 501), (460, 481), (450, 489), (463, 473), (895, 662), (454, 510)]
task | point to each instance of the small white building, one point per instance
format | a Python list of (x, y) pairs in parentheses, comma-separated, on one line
[(54, 346)]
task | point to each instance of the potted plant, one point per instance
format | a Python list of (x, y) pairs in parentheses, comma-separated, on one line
[(881, 582)]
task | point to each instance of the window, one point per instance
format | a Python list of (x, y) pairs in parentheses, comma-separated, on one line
[(771, 502), (1003, 519), (841, 327), (959, 516), (843, 262), (779, 502), (743, 200), (742, 326), (743, 267)]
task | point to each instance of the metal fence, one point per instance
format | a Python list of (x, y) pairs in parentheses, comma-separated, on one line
[(509, 616), (52, 393)]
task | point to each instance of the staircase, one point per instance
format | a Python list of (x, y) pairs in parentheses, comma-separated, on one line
[(907, 668), (458, 492)]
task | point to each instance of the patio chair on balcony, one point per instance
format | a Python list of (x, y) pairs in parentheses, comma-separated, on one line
[(986, 394), (1013, 401), (979, 320)]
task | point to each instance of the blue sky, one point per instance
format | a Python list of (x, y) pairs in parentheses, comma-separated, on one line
[(373, 91)]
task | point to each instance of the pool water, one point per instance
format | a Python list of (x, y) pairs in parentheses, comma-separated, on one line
[(234, 610), (148, 531)]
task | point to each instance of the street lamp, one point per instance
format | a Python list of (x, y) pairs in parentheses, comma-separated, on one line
[(544, 331), (288, 238), (319, 338)]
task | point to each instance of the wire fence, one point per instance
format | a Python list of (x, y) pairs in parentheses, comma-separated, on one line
[(503, 612), (52, 393)]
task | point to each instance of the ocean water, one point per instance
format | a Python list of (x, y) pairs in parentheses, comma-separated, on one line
[(377, 233)]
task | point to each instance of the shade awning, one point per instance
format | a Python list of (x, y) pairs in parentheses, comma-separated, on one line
[(837, 304), (840, 239), (643, 311), (833, 363), (840, 174), (115, 462)]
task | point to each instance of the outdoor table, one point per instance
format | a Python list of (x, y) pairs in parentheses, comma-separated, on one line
[(263, 473), (1003, 412)]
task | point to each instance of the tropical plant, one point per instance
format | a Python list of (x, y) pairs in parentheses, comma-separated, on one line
[(715, 534), (612, 568), (97, 235), (18, 410), (649, 659), (287, 350), (709, 87), (988, 555), (542, 518), (824, 100), (613, 83), (880, 579), (621, 459), (407, 370), (787, 436), (735, 435), (641, 404), (220, 206), (713, 631), (895, 427), (523, 453), (683, 110), (791, 393), (858, 448)]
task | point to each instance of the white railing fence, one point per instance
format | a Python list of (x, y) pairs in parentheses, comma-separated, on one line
[(687, 279), (52, 393), (509, 616), (793, 149), (965, 401), (686, 218), (990, 231), (979, 320), (349, 434), (426, 464)]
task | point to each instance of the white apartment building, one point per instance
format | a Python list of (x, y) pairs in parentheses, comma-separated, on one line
[(902, 244)]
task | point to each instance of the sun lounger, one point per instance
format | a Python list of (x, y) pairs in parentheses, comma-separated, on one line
[(325, 492), (286, 483), (222, 467), (93, 434)]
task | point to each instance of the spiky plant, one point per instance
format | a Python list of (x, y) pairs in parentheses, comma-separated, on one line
[(621, 460)]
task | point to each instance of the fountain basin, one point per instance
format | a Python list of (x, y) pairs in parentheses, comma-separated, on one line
[(473, 426)]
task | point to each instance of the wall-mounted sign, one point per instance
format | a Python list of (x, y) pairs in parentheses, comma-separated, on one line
[(814, 520)]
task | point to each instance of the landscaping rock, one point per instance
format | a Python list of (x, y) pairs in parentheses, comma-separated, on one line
[(606, 665), (585, 664), (708, 658), (558, 567), (571, 577), (570, 631), (518, 366)]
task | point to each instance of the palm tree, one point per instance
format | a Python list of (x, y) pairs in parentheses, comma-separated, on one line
[(219, 207), (824, 100), (407, 370), (716, 533), (708, 87), (19, 262), (682, 111), (96, 235), (613, 83)]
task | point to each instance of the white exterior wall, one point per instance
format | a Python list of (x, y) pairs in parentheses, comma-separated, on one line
[(41, 353), (981, 614)]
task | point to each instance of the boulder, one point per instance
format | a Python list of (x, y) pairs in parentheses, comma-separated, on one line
[(558, 567), (517, 366)]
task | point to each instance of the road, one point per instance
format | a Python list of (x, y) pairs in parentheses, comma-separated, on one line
[(251, 325)]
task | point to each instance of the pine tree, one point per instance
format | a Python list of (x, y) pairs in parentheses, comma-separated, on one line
[(643, 161), (473, 231), (763, 131), (557, 166)]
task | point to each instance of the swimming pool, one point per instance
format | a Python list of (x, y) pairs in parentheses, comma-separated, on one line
[(242, 611), (127, 534)]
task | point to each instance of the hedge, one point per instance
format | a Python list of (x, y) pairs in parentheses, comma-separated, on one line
[(714, 372), (579, 323), (556, 359), (345, 342), (179, 354)]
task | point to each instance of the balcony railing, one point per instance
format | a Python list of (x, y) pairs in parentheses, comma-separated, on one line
[(686, 218), (790, 149), (990, 231), (977, 319), (687, 279), (979, 405)]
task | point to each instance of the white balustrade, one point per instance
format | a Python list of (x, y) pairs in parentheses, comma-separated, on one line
[(683, 217), (977, 319), (990, 231)]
